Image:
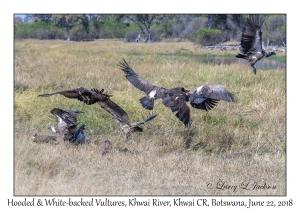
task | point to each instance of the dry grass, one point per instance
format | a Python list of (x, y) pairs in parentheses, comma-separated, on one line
[(235, 142)]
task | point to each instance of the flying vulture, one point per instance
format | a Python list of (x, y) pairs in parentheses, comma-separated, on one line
[(121, 117), (251, 43), (82, 94), (204, 97), (67, 125)]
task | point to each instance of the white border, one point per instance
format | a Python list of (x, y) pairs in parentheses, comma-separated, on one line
[(153, 6)]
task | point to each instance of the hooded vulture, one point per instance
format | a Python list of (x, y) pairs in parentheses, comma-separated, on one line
[(204, 97), (67, 125), (251, 43), (121, 117), (82, 94)]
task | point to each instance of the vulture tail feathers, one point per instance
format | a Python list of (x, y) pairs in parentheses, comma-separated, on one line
[(240, 56), (150, 118), (147, 103)]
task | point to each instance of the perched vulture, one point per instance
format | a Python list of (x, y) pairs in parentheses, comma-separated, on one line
[(121, 116), (42, 138), (251, 43), (204, 97), (67, 125), (82, 94)]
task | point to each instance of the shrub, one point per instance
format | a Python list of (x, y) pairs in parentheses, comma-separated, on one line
[(38, 30), (131, 36), (206, 36), (78, 33)]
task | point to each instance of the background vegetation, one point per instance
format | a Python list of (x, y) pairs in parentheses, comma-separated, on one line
[(234, 142), (208, 29)]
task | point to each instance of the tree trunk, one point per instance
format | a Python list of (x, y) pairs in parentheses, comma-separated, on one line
[(69, 36), (148, 35), (210, 20)]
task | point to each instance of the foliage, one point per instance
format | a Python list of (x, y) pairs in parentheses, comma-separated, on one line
[(78, 33), (112, 29), (274, 29), (152, 27), (38, 30), (39, 17), (206, 36), (144, 22), (131, 36), (69, 21)]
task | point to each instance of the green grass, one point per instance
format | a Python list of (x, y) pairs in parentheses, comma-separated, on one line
[(165, 159)]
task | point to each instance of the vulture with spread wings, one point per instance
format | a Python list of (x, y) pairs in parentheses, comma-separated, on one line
[(204, 97), (121, 117), (67, 125), (82, 94), (251, 43)]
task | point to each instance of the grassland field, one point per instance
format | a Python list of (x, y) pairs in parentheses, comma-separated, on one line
[(234, 143)]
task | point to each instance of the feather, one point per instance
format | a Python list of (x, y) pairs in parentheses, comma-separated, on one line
[(82, 94), (67, 124), (251, 43), (121, 117)]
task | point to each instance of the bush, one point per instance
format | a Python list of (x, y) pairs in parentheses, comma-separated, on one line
[(131, 36), (78, 33), (206, 36), (193, 26), (38, 30), (111, 29)]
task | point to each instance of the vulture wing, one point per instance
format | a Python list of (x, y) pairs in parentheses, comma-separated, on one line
[(200, 102), (64, 116), (252, 35), (217, 92), (136, 80), (114, 109), (177, 103), (207, 96), (149, 118), (67, 93), (78, 135), (82, 94)]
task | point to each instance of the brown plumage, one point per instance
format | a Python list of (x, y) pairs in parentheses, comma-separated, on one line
[(121, 117), (152, 92), (67, 125), (251, 43), (82, 94), (204, 97)]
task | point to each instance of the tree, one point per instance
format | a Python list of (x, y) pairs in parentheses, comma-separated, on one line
[(38, 17), (144, 23), (17, 20), (68, 21)]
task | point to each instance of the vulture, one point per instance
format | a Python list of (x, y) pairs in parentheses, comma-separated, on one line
[(42, 138), (204, 97), (121, 117), (67, 125), (251, 43), (82, 94)]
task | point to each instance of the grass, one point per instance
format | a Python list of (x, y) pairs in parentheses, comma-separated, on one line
[(234, 142)]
